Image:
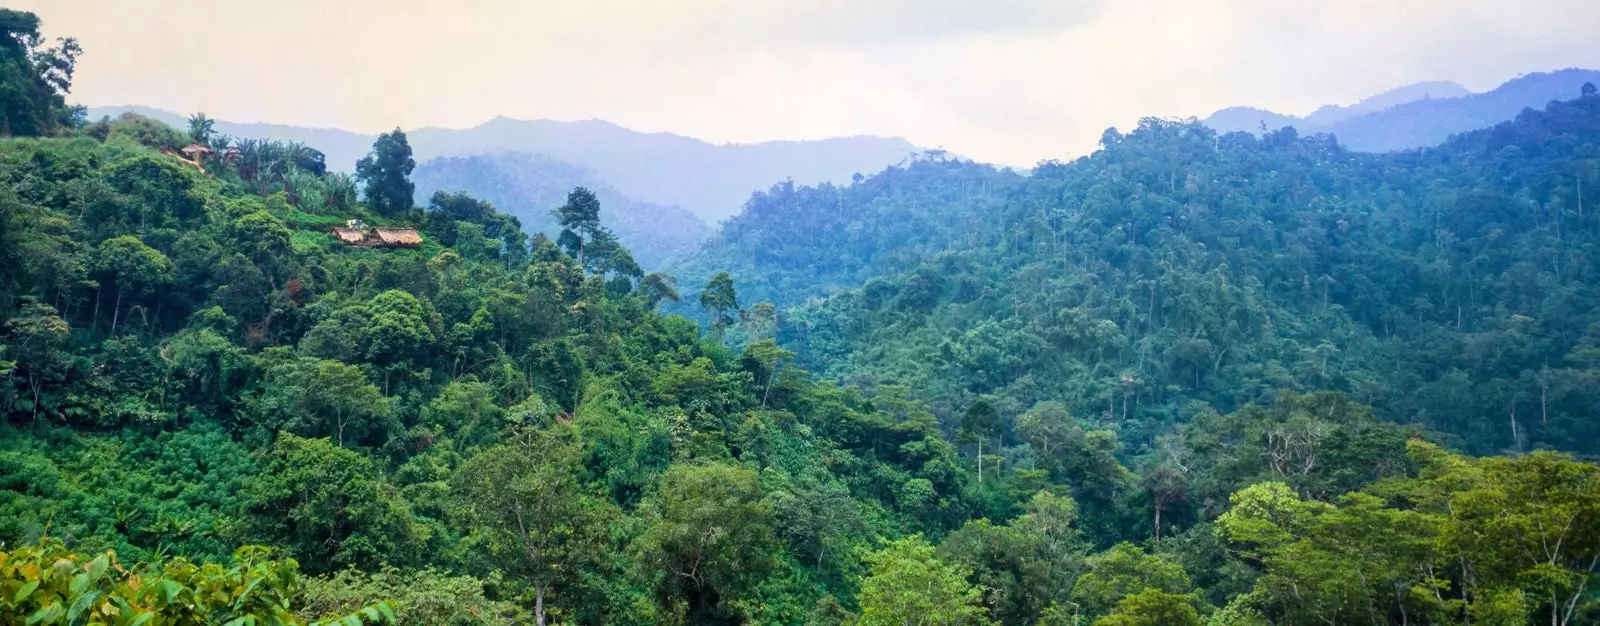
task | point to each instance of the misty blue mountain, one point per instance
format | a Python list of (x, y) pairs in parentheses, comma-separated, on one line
[(1417, 115)]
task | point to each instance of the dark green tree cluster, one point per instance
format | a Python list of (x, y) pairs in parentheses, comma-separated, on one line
[(34, 79)]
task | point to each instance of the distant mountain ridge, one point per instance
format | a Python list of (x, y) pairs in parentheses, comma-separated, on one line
[(1414, 116), (709, 180), (529, 186)]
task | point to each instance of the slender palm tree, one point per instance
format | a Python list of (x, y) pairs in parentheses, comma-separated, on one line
[(200, 128)]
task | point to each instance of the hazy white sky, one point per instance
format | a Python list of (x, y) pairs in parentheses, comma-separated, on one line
[(1010, 81)]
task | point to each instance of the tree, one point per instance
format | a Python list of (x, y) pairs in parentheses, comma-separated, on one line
[(33, 79), (1122, 571), (721, 300), (35, 338), (132, 266), (330, 506), (446, 209), (980, 422), (1588, 90), (1153, 607), (908, 586), (580, 222), (201, 128), (659, 286), (1165, 485), (759, 321), (386, 174), (708, 540), (1047, 427), (396, 331), (524, 505), (318, 398)]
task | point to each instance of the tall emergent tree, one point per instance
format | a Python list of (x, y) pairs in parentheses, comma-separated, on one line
[(33, 79), (980, 422), (386, 174), (580, 221), (721, 300)]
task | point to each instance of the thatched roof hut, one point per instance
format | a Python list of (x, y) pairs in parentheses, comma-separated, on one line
[(379, 237), (398, 237), (352, 236), (195, 151)]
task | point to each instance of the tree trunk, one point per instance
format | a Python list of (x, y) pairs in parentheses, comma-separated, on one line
[(1158, 523), (115, 311), (538, 604), (1544, 409), (980, 460)]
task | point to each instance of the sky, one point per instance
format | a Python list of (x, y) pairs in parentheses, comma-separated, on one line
[(1005, 81)]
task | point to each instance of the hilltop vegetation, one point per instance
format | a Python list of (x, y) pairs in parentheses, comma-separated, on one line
[(215, 412)]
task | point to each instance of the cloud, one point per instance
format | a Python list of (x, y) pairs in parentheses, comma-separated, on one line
[(1012, 81), (884, 24)]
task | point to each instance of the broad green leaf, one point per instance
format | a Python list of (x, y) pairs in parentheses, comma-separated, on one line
[(79, 584), (98, 567), (168, 590), (46, 615), (78, 606), (26, 590)]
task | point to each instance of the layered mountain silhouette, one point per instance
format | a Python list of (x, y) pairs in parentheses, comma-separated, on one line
[(1413, 116), (529, 185), (712, 181)]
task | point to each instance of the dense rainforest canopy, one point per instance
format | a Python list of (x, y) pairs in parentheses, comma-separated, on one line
[(1132, 389), (1176, 271)]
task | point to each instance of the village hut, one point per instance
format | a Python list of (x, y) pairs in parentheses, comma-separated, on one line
[(351, 236), (379, 237), (398, 237)]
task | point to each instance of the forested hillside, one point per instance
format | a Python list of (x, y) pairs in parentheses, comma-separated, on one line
[(794, 242), (1451, 287), (528, 186), (1127, 390), (1425, 114)]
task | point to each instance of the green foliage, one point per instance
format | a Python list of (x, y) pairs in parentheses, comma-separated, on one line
[(1038, 393), (386, 174), (47, 584), (33, 79), (1153, 607), (708, 541), (329, 506), (526, 508), (908, 585), (1500, 540), (721, 300), (1175, 266), (425, 597), (1123, 571)]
